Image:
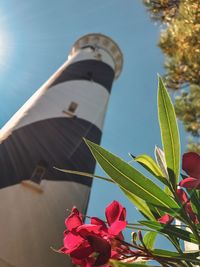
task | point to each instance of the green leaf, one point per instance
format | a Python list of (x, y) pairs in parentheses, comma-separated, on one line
[(140, 204), (170, 256), (156, 212), (195, 201), (149, 164), (167, 191), (160, 159), (167, 229), (85, 174), (188, 256), (132, 180), (149, 239), (169, 133), (123, 264)]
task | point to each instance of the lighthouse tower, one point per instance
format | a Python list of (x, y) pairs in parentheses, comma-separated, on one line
[(48, 131)]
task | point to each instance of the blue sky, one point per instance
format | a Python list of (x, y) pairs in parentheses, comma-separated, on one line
[(36, 39)]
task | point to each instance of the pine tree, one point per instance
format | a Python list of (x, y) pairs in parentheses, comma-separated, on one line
[(180, 43), (162, 10), (188, 111)]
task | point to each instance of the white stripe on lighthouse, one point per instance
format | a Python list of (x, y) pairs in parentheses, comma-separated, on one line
[(91, 98)]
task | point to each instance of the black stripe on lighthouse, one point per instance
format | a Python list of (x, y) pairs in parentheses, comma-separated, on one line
[(89, 70), (56, 141)]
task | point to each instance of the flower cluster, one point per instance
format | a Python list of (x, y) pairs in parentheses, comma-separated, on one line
[(98, 242), (95, 243), (191, 165)]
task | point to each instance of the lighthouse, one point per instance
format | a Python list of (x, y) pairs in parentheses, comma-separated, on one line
[(48, 132)]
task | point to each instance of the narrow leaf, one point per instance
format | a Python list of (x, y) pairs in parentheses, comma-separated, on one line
[(85, 174), (149, 164), (124, 264), (169, 133), (140, 204), (188, 256), (155, 210), (195, 201), (171, 230), (149, 240), (132, 180), (160, 159)]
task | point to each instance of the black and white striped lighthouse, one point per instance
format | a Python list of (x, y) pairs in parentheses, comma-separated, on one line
[(46, 132)]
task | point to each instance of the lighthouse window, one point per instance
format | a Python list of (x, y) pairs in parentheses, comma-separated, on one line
[(72, 107), (39, 172)]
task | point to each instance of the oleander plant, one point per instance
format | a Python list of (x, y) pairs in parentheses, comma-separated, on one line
[(170, 207)]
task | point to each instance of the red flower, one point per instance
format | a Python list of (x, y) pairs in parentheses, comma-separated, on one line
[(166, 218), (186, 204), (191, 165), (94, 244)]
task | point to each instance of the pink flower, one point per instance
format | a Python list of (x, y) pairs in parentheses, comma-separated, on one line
[(191, 165), (95, 243)]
